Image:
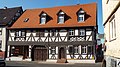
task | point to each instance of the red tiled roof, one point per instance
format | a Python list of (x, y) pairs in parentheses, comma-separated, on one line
[(34, 18)]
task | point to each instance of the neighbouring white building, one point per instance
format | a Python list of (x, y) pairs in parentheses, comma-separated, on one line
[(7, 17), (111, 22)]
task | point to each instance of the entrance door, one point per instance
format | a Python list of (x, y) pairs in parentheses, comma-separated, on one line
[(62, 53), (40, 54)]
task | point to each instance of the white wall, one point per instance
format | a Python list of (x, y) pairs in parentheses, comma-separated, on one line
[(3, 37), (63, 34), (108, 8), (113, 47)]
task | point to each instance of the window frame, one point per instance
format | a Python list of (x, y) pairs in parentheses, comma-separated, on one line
[(61, 17), (81, 31), (112, 28), (53, 32), (52, 50), (84, 49), (71, 32), (43, 18), (81, 16)]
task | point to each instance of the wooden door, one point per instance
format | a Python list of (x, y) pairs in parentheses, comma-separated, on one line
[(40, 54), (62, 53)]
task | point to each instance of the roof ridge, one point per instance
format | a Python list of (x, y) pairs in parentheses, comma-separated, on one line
[(64, 6)]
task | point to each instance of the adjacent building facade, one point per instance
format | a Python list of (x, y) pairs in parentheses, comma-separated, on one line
[(55, 34), (7, 17), (111, 22)]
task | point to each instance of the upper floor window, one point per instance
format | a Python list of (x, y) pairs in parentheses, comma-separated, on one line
[(112, 28), (61, 17), (53, 32), (71, 32), (82, 32), (43, 18), (20, 34), (81, 15)]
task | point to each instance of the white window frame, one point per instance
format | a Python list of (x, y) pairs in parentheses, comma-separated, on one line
[(52, 50), (43, 20), (61, 19), (84, 50), (112, 28), (76, 49), (81, 16), (82, 32), (71, 32)]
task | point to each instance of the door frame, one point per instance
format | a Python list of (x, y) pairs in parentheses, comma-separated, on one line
[(59, 52)]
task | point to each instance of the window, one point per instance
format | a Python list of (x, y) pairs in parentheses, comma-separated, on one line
[(53, 32), (80, 18), (84, 49), (26, 20), (53, 50), (17, 14), (82, 32), (76, 49), (23, 33), (81, 15), (112, 28), (70, 50), (42, 33), (73, 50), (61, 18), (71, 32), (20, 34), (43, 18), (0, 31)]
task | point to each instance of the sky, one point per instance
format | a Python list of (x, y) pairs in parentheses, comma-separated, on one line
[(30, 4)]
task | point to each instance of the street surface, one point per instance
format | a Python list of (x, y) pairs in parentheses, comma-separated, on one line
[(44, 64)]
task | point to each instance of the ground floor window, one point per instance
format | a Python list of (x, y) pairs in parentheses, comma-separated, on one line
[(84, 50), (20, 51), (52, 50)]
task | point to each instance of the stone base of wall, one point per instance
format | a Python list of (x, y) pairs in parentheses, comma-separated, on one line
[(72, 61), (18, 59)]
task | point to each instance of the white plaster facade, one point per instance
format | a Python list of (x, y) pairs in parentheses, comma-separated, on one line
[(111, 8), (3, 38)]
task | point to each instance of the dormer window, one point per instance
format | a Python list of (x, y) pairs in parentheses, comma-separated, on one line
[(81, 15), (61, 18), (43, 18)]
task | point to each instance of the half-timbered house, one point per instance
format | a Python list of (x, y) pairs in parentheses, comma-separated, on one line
[(54, 34), (7, 17)]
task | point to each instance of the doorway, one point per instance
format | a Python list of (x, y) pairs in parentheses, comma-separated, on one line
[(62, 53), (40, 53)]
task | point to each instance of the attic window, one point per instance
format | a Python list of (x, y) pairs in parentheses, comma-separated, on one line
[(61, 17), (26, 20), (43, 18), (81, 15)]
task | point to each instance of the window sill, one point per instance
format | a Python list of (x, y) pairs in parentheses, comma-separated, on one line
[(61, 23), (112, 39), (80, 21)]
